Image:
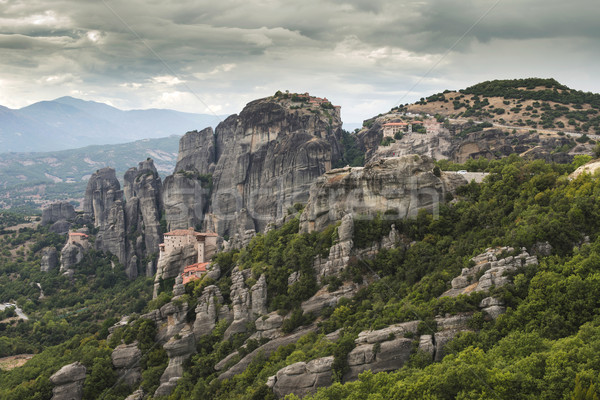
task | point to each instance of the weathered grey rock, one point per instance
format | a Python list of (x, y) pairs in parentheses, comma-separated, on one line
[(323, 298), (197, 152), (137, 395), (142, 189), (449, 327), (207, 311), (339, 253), (265, 350), (241, 301), (267, 327), (103, 204), (179, 349), (59, 211), (61, 227), (542, 249), (71, 255), (172, 264), (126, 358), (49, 259), (178, 288), (389, 333), (392, 355), (303, 378), (174, 313), (492, 306), (266, 158), (402, 184), (68, 382), (185, 199), (426, 344), (493, 269), (259, 296)]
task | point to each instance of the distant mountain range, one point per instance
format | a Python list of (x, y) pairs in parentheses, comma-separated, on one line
[(34, 179), (67, 123)]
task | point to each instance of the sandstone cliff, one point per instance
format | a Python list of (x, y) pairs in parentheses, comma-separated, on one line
[(127, 221), (402, 185), (260, 163)]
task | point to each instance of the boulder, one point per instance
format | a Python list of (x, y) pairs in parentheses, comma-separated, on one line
[(68, 382)]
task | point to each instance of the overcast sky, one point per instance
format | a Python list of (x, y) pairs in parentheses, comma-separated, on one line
[(215, 56)]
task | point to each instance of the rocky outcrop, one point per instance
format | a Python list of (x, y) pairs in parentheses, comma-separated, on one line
[(171, 264), (70, 255), (400, 185), (339, 254), (324, 298), (49, 259), (209, 310), (103, 204), (261, 161), (447, 328), (60, 211), (268, 326), (143, 196), (456, 143), (126, 359), (265, 350), (241, 301), (179, 349), (259, 296), (68, 382), (185, 199), (302, 378), (492, 267), (197, 152)]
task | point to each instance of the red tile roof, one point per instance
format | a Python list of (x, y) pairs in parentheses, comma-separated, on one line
[(196, 267), (77, 234)]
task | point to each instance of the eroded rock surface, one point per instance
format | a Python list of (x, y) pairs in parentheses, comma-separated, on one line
[(68, 382)]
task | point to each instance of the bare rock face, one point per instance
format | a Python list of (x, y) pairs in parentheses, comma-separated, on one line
[(448, 143), (185, 199), (70, 255), (448, 328), (267, 326), (197, 152), (170, 265), (339, 254), (179, 348), (268, 156), (174, 314), (380, 350), (207, 311), (126, 358), (143, 196), (493, 264), (103, 204), (60, 211), (261, 161), (403, 185), (68, 382), (303, 378), (324, 298), (259, 296), (49, 259), (241, 301)]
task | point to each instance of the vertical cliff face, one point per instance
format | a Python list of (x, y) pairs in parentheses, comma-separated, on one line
[(128, 221), (261, 162), (103, 204), (143, 197)]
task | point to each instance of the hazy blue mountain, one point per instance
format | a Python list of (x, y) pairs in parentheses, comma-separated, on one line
[(36, 178), (67, 122)]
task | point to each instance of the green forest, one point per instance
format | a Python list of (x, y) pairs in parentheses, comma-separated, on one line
[(546, 345)]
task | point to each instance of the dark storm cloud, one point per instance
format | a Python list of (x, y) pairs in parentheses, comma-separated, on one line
[(159, 53)]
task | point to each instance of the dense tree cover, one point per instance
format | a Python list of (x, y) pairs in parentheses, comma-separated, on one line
[(550, 325), (545, 346)]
